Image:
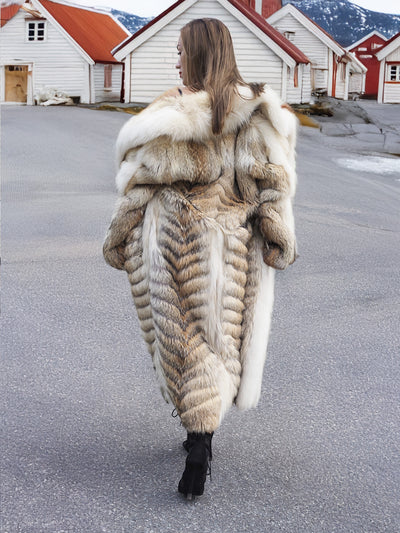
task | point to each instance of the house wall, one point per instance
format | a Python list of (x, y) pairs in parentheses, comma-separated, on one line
[(310, 45), (341, 73), (356, 82), (101, 94), (55, 61), (255, 60), (391, 90), (394, 56), (365, 52), (391, 93), (302, 93)]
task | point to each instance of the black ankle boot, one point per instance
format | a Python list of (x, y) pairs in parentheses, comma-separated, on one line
[(197, 465), (193, 437)]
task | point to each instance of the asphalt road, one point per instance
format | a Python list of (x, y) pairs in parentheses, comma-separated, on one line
[(88, 444)]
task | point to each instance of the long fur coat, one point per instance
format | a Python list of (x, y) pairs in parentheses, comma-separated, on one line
[(201, 223)]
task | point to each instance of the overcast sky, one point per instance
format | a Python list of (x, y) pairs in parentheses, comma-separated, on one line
[(148, 8)]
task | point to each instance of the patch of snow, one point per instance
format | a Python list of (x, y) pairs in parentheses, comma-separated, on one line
[(377, 165)]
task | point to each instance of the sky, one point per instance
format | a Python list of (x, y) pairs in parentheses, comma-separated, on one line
[(148, 8)]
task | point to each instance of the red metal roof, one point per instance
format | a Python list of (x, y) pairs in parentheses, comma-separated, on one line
[(7, 13), (389, 41), (97, 33), (322, 29), (252, 15)]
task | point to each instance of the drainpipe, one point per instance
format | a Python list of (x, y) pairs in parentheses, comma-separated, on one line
[(122, 93)]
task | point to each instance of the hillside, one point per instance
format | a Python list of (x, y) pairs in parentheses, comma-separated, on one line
[(347, 22)]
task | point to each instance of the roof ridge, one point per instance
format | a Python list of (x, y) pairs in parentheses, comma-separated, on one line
[(254, 17)]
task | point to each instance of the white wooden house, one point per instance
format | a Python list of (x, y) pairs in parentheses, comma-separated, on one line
[(262, 53), (331, 66), (389, 71), (63, 46), (357, 72)]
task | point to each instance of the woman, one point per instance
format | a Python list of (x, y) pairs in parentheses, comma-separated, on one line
[(206, 179)]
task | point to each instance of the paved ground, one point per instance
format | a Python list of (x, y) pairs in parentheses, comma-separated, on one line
[(87, 443)]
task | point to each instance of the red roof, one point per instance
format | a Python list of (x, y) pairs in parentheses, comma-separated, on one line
[(322, 29), (252, 15), (97, 33), (390, 41), (7, 13)]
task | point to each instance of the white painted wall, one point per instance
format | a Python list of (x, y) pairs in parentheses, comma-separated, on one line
[(56, 63), (356, 83), (310, 45), (102, 95), (341, 81), (394, 56), (153, 63), (302, 93), (391, 91)]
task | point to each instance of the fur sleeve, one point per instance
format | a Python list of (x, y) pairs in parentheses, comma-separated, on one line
[(265, 174), (128, 214)]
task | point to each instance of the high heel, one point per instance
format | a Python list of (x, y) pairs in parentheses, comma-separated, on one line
[(197, 466)]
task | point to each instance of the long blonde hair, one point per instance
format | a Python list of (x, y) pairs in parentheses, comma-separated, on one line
[(210, 65)]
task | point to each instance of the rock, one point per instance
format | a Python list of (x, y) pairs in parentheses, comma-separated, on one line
[(336, 129), (366, 128), (392, 143)]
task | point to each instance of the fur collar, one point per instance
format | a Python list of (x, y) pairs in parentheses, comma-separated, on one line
[(188, 117)]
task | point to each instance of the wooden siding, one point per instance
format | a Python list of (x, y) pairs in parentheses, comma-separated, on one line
[(302, 93), (312, 47), (356, 83), (365, 52), (102, 95), (306, 41), (56, 62), (391, 93), (153, 63), (341, 82), (394, 56)]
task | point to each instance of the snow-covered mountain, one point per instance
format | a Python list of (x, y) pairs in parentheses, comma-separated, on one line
[(347, 22), (133, 23)]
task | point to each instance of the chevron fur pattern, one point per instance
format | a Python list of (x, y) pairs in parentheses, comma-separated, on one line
[(191, 319)]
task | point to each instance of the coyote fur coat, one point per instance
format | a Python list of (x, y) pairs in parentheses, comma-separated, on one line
[(201, 223)]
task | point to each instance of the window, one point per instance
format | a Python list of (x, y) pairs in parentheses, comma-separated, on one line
[(361, 49), (375, 46), (17, 68), (394, 72), (289, 35), (36, 30)]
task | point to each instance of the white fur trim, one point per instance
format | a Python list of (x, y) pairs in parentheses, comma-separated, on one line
[(253, 363), (213, 321), (188, 117)]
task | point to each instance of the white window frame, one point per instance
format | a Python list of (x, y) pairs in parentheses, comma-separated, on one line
[(34, 25), (393, 70)]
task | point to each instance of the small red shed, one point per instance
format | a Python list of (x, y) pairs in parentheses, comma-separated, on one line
[(365, 50)]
